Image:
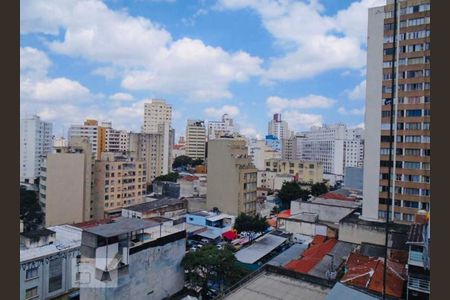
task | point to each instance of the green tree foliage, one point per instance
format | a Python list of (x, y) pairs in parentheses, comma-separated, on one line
[(319, 188), (30, 210), (248, 223), (291, 191), (209, 264), (181, 161), (173, 176)]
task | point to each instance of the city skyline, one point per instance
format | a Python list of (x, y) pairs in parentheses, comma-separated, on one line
[(67, 77)]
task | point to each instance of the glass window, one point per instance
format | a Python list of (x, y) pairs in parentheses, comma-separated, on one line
[(31, 273), (55, 275), (31, 293)]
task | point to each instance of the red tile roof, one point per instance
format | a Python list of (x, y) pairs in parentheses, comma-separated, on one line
[(285, 213), (335, 196), (367, 272), (312, 256)]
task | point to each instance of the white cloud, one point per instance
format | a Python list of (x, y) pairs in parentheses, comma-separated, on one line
[(36, 86), (300, 121), (33, 62), (277, 104), (250, 132), (106, 72), (216, 113), (121, 97), (314, 42), (358, 92), (352, 112), (142, 52), (360, 125)]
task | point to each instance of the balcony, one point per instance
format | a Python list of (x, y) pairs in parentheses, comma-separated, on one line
[(420, 285)]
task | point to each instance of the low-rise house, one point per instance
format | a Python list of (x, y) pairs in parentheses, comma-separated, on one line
[(216, 223), (48, 260)]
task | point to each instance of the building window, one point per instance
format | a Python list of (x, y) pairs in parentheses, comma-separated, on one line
[(408, 217), (31, 293), (31, 273), (55, 275)]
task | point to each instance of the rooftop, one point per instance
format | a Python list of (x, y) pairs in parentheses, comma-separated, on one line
[(260, 248), (293, 252), (343, 292), (120, 226), (66, 237), (367, 273), (156, 204), (273, 286)]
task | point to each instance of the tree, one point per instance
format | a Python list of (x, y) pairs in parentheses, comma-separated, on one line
[(209, 266), (248, 223), (319, 188), (181, 161), (291, 191), (173, 176), (30, 210), (197, 162)]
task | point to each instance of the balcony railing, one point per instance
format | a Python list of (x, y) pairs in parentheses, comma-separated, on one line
[(417, 284)]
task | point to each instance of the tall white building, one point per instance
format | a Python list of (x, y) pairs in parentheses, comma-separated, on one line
[(260, 151), (156, 112), (90, 130), (195, 139), (115, 140), (35, 143), (335, 146), (216, 129), (278, 128)]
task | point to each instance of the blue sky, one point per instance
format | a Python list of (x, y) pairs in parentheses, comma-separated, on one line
[(103, 59)]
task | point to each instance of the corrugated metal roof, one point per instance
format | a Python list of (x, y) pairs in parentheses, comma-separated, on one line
[(343, 292), (293, 252), (259, 248)]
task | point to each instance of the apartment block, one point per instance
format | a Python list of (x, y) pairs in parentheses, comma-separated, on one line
[(65, 184), (48, 263), (278, 128), (91, 130), (259, 151), (335, 146), (156, 112), (114, 140), (120, 181), (232, 177), (410, 96), (303, 171), (195, 139), (35, 143), (217, 129), (155, 149), (132, 258)]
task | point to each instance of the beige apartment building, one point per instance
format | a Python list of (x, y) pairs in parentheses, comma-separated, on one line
[(120, 181), (304, 171), (156, 112), (195, 139), (232, 177), (65, 184)]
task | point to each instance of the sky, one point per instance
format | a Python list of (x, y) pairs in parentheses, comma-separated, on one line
[(92, 59)]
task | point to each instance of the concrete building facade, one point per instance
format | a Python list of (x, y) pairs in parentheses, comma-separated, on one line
[(278, 128), (35, 143), (119, 181), (411, 101), (156, 112), (91, 130), (232, 177), (48, 262), (195, 139), (304, 171), (155, 149), (65, 184), (217, 129)]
